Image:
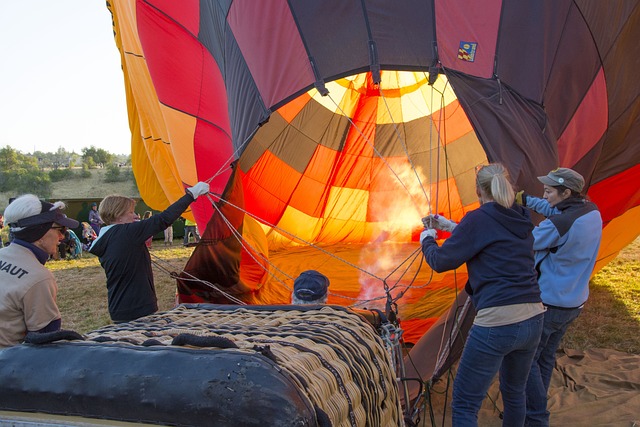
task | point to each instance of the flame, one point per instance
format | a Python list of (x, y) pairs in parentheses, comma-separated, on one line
[(402, 215)]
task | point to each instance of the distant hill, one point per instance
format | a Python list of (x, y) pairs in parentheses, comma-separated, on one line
[(93, 187)]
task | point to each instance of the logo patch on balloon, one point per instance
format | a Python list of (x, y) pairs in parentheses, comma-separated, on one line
[(467, 51)]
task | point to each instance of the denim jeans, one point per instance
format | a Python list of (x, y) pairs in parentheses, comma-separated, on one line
[(190, 229), (556, 322), (508, 349)]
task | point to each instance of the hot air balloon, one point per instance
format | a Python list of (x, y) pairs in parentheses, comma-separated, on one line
[(327, 129)]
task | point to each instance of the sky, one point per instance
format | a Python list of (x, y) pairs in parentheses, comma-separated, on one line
[(61, 81)]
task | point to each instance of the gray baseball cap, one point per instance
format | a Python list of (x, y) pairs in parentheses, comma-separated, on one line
[(564, 176)]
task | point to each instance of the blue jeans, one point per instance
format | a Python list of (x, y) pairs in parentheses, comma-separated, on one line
[(556, 322), (190, 229), (508, 349)]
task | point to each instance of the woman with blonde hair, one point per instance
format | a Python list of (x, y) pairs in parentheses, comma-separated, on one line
[(496, 243), (123, 254)]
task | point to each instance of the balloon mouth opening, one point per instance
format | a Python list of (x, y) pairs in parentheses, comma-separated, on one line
[(418, 95)]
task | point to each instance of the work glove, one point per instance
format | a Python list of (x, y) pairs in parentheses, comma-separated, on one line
[(439, 223), (521, 198), (427, 232), (198, 190)]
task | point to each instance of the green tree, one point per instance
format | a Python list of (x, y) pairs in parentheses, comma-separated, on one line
[(20, 173), (100, 157), (61, 174), (88, 162), (113, 173), (8, 158), (61, 158), (85, 172)]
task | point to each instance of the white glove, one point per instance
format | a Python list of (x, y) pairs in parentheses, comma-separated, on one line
[(439, 223), (427, 232), (199, 189)]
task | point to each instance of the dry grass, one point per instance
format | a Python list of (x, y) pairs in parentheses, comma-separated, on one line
[(82, 293), (95, 186), (611, 318)]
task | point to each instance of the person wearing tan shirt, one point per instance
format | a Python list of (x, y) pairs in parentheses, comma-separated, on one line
[(27, 288)]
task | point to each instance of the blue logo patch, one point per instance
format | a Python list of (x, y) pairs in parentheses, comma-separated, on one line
[(467, 51)]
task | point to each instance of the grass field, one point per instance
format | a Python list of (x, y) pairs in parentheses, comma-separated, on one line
[(611, 318)]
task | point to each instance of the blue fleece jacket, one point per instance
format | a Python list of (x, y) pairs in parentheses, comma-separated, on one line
[(566, 246), (497, 245)]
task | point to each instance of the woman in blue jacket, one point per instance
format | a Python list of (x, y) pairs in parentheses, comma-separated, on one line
[(496, 243), (566, 246)]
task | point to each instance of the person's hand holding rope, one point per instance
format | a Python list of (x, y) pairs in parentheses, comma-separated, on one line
[(439, 222)]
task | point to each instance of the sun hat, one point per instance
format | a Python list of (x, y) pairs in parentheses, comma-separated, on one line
[(27, 226), (565, 177)]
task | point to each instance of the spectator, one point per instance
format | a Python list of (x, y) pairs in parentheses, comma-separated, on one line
[(496, 243), (168, 236), (11, 199), (67, 246), (28, 291), (566, 246), (1, 227), (190, 228), (121, 248), (94, 218), (310, 287), (88, 236)]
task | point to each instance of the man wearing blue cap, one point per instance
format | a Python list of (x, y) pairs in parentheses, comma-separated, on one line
[(95, 221), (28, 291), (310, 287)]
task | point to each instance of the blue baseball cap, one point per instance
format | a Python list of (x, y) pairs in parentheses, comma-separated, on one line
[(310, 285)]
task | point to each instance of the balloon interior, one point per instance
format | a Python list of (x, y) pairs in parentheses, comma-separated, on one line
[(328, 129)]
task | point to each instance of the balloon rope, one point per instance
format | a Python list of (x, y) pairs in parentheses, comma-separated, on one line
[(404, 145), (443, 131), (226, 165), (254, 251), (437, 180), (193, 278), (375, 150)]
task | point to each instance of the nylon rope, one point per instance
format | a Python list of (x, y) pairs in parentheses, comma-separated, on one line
[(242, 241), (192, 278), (375, 150), (404, 144)]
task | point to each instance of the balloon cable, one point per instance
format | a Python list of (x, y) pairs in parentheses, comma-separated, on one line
[(157, 262)]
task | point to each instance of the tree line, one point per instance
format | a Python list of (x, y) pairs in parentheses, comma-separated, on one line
[(34, 173)]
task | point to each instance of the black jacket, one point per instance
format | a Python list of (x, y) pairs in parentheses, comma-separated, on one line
[(497, 245), (125, 258)]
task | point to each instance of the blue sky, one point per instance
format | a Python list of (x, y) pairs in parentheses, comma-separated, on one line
[(61, 82)]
